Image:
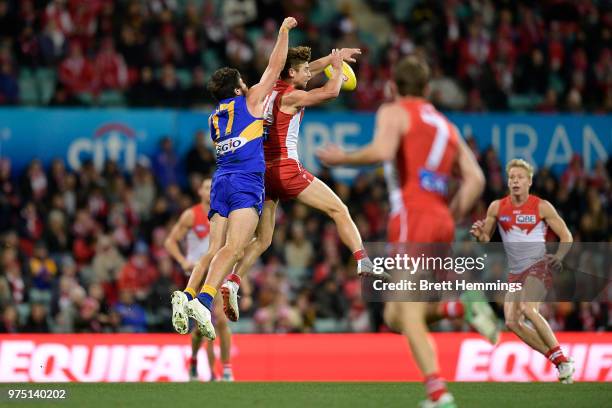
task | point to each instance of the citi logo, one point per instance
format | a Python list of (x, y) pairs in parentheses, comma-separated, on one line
[(526, 219), (111, 141)]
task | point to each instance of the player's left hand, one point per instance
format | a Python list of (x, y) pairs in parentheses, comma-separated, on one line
[(331, 155), (553, 261), (347, 54)]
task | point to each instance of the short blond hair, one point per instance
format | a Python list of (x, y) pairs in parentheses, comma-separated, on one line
[(520, 163)]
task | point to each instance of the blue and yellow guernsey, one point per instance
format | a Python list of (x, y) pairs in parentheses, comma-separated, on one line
[(238, 138)]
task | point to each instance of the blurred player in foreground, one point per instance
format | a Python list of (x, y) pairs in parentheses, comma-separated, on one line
[(420, 148), (285, 177), (523, 221), (194, 226), (237, 190)]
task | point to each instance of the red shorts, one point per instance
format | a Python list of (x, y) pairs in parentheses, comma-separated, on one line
[(539, 270), (419, 226), (285, 179)]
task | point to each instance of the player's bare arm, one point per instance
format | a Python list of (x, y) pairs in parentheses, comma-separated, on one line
[(391, 123), (297, 99), (482, 230), (258, 92), (347, 54), (472, 182), (177, 234), (556, 223)]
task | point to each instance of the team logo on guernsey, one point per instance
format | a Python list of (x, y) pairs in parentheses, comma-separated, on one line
[(504, 218), (526, 219), (200, 228), (229, 145)]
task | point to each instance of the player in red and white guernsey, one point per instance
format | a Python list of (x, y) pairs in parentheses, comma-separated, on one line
[(285, 178), (523, 221), (194, 228), (421, 149)]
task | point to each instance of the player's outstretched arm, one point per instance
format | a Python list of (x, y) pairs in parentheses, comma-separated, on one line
[(330, 90), (177, 234), (391, 123), (472, 182), (347, 54), (258, 92), (482, 230)]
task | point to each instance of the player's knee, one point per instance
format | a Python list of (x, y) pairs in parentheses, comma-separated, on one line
[(264, 242), (234, 251), (213, 249), (338, 209)]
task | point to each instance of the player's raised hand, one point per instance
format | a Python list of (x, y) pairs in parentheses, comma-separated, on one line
[(331, 155), (288, 23), (349, 54), (336, 61)]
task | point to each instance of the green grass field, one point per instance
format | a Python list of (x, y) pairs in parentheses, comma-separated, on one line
[(325, 395)]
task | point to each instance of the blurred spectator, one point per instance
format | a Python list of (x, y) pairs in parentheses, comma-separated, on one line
[(131, 314), (56, 234), (166, 49), (298, 253), (239, 51), (573, 172), (138, 273), (37, 321), (110, 67), (76, 72), (146, 91), (53, 44), (199, 158), (170, 91), (265, 44), (165, 164), (107, 262), (42, 269), (238, 12), (10, 320), (9, 89), (196, 95), (144, 190)]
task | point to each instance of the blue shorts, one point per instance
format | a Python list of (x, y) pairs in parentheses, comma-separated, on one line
[(233, 191)]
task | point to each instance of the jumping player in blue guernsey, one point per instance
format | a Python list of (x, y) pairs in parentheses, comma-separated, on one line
[(237, 191)]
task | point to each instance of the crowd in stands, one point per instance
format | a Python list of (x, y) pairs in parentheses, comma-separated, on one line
[(545, 56), (82, 250)]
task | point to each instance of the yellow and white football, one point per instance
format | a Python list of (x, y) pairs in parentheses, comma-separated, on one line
[(349, 80)]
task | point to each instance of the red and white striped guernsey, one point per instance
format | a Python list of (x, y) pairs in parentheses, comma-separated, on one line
[(523, 232), (280, 129), (198, 234)]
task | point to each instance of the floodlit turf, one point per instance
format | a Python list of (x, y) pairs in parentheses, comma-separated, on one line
[(324, 395)]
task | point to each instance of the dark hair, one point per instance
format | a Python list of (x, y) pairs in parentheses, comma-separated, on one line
[(222, 83), (411, 75), (295, 56)]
